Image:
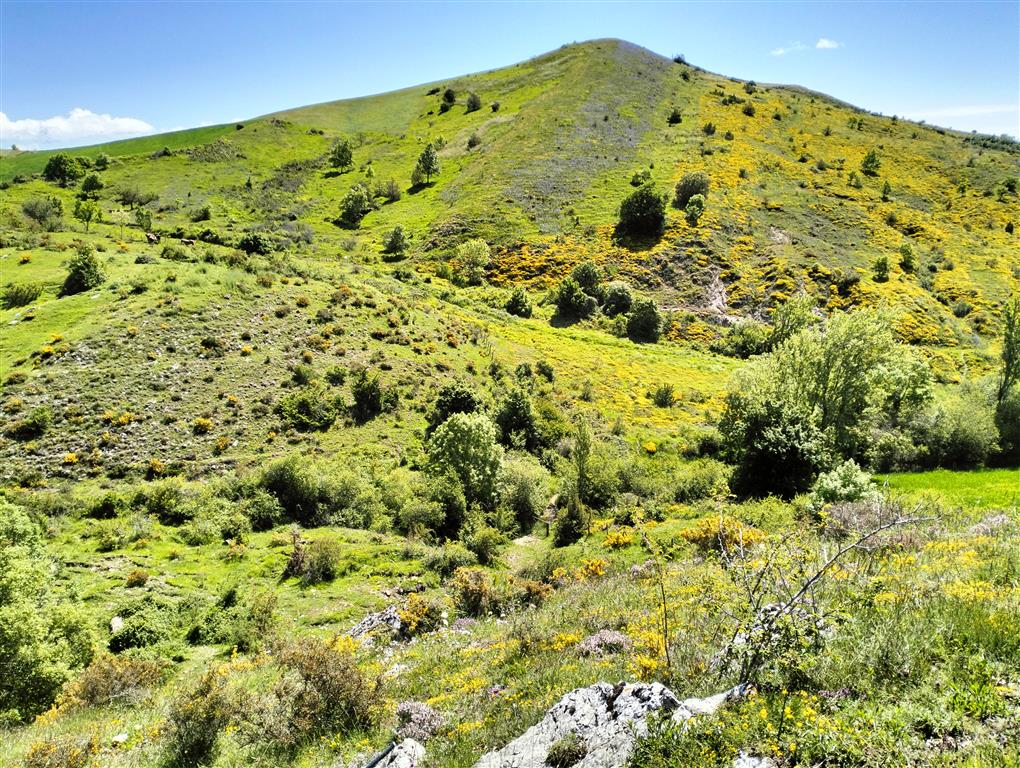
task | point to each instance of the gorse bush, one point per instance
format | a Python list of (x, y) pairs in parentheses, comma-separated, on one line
[(19, 295)]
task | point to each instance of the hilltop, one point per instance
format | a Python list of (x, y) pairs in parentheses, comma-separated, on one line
[(299, 455)]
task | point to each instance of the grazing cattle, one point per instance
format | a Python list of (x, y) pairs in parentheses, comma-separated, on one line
[(152, 237), (186, 241)]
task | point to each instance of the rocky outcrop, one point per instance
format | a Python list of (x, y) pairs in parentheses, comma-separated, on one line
[(607, 719), (406, 754)]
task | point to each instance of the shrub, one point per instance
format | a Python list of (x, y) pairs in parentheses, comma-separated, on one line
[(748, 109), (137, 578), (196, 719), (701, 479), (454, 397), (486, 543), (354, 205), (323, 561), (473, 259), (63, 169), (708, 129), (573, 303), (645, 322), (566, 752), (643, 212), (744, 340), (518, 304), (572, 522), (846, 483), (165, 499), (675, 117), (690, 184), (148, 626), (370, 398), (417, 720), (31, 426), (694, 210), (664, 395), (871, 163), (312, 408), (618, 299), (62, 752), (395, 241), (107, 506), (723, 533), (175, 252), (465, 444), (19, 295), (262, 509), (520, 495), (44, 211), (472, 592), (881, 269), (474, 102), (112, 680), (515, 419), (450, 557), (254, 242), (83, 271)]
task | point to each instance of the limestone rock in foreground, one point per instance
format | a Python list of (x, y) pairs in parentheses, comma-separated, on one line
[(407, 754), (607, 719)]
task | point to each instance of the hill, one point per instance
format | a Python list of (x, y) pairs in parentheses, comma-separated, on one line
[(277, 486)]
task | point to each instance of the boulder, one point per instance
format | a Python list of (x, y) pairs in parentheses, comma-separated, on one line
[(407, 754), (608, 719)]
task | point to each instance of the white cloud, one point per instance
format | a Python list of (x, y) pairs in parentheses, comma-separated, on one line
[(79, 126), (788, 49), (825, 43)]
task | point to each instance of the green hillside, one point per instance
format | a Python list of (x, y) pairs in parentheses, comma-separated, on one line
[(236, 419)]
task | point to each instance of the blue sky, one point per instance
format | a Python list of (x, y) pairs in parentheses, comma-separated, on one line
[(80, 72)]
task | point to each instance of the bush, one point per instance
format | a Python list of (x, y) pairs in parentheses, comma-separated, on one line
[(450, 557), (63, 169), (31, 426), (354, 205), (846, 483), (694, 210), (486, 543), (107, 506), (165, 499), (744, 340), (572, 522), (473, 259), (112, 680), (515, 419), (723, 533), (645, 322), (395, 241), (690, 184), (521, 480), (314, 407), (195, 721), (62, 752), (474, 102), (323, 561), (518, 304), (175, 252), (83, 271), (254, 242), (618, 299), (643, 212), (465, 445), (454, 397), (573, 303), (262, 509), (566, 752), (701, 479), (664, 395), (370, 398), (44, 211), (871, 163)]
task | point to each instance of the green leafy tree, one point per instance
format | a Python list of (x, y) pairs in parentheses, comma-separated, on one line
[(790, 318), (396, 241), (881, 269), (519, 304), (690, 184), (454, 397), (573, 303), (63, 169), (1010, 373), (83, 271), (428, 163), (645, 322), (341, 156), (465, 445), (643, 212), (91, 186), (473, 259), (516, 420), (87, 211), (618, 299), (143, 219)]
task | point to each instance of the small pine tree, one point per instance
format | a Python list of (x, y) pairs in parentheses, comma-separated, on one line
[(395, 241), (690, 184), (886, 191), (694, 209), (881, 269), (518, 304), (83, 271), (341, 156), (871, 163), (675, 117), (428, 163)]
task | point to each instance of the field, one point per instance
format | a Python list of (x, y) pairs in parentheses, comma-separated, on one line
[(773, 447)]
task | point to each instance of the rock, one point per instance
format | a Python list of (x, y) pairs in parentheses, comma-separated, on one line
[(116, 625), (744, 760), (119, 739), (608, 719), (388, 620), (407, 754)]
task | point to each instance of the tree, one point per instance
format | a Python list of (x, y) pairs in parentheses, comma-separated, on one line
[(395, 241), (353, 207), (473, 258), (62, 169), (474, 102), (465, 445), (454, 397), (428, 163), (102, 162), (1010, 373), (886, 191), (83, 271), (91, 186), (645, 322), (675, 117), (44, 211), (573, 303), (516, 420), (881, 269), (871, 163), (133, 197), (143, 219), (342, 155), (690, 184), (417, 177), (791, 318), (391, 191), (87, 211), (694, 210), (643, 212), (618, 299)]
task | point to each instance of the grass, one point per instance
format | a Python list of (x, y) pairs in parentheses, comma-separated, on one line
[(985, 489)]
